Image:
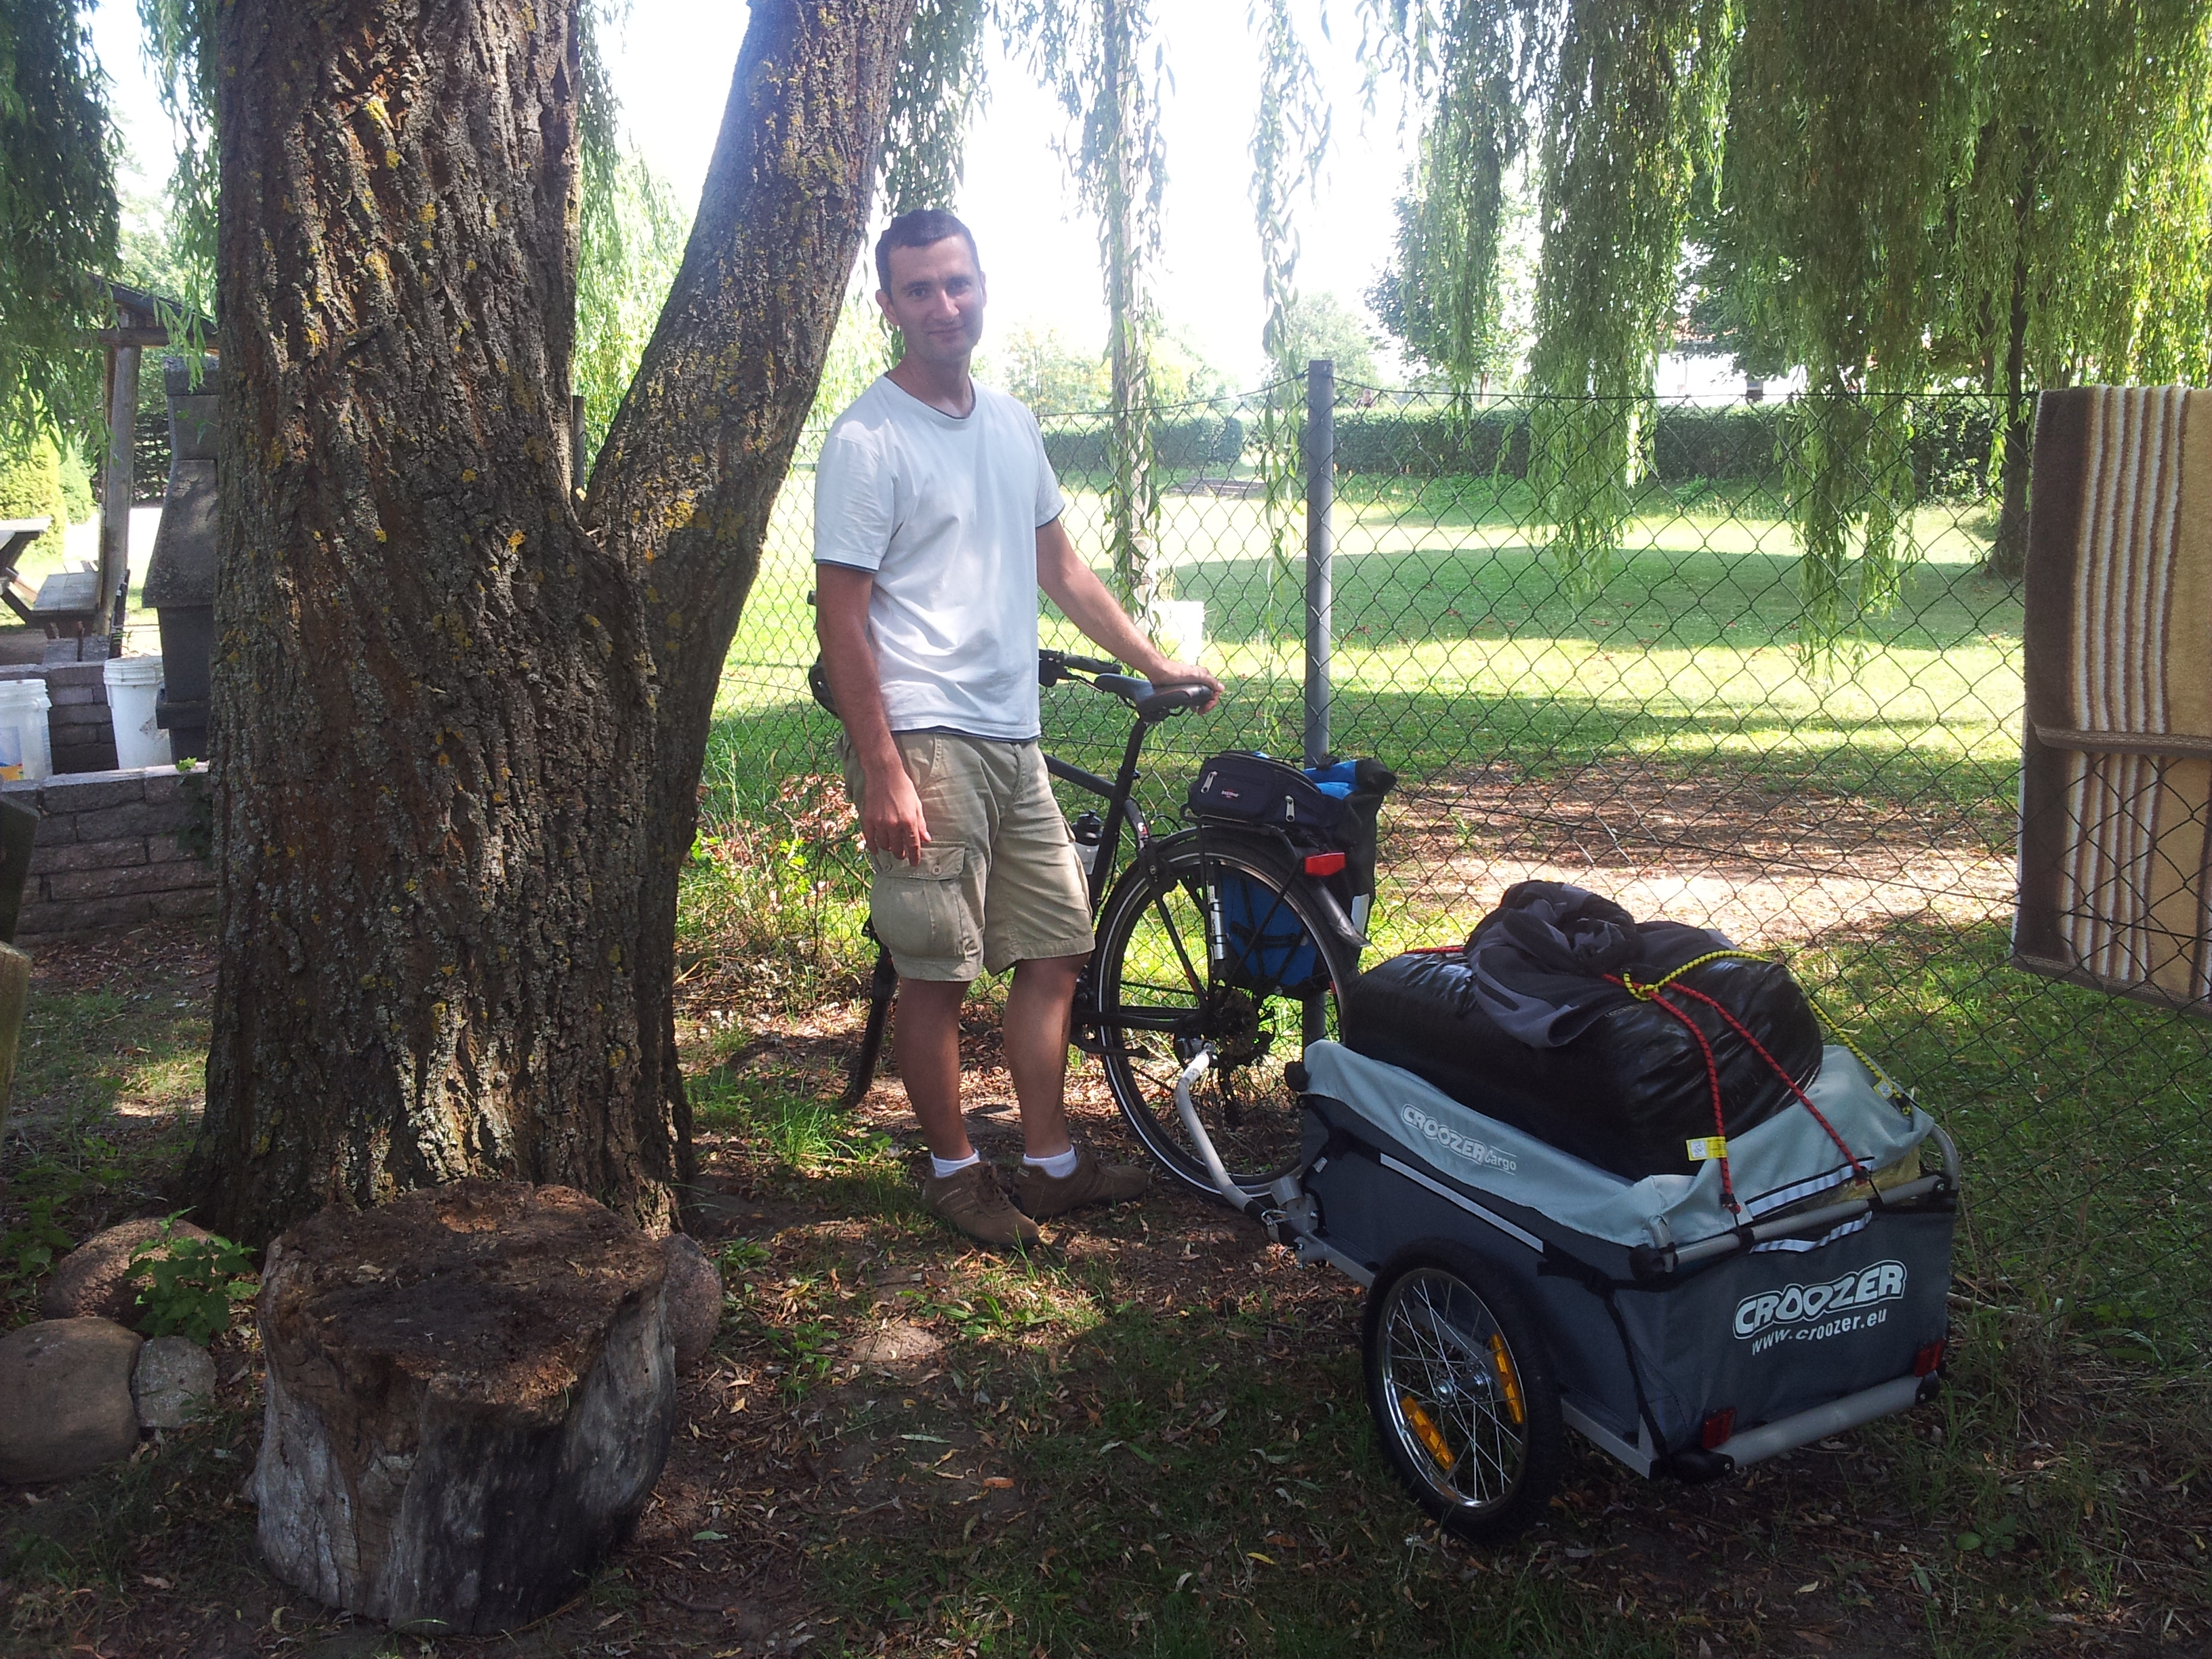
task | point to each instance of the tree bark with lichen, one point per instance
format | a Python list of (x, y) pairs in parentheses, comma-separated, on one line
[(461, 709)]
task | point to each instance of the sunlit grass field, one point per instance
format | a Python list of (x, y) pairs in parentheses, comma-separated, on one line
[(1457, 643)]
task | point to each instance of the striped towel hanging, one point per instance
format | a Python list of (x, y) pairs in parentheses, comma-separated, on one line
[(2116, 786)]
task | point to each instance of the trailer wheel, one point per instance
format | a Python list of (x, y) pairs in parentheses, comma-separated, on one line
[(1461, 1388)]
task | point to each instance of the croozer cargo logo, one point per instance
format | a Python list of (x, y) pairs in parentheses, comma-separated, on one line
[(1811, 1313), (1452, 1141)]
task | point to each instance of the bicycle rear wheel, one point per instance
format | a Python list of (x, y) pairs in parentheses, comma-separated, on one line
[(1167, 983)]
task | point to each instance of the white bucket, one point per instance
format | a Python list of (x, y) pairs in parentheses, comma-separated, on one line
[(1182, 628), (133, 683), (27, 745)]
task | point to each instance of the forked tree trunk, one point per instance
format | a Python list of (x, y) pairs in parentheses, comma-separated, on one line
[(459, 731)]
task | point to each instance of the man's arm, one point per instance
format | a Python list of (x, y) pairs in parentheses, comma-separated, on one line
[(1085, 601), (890, 817)]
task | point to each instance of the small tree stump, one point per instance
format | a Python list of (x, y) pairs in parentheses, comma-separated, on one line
[(470, 1394)]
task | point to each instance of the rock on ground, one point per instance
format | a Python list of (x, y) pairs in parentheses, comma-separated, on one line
[(173, 1379), (695, 1300), (65, 1406), (901, 1342), (468, 1398), (93, 1281)]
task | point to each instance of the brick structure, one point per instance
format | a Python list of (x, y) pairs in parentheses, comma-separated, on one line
[(82, 729), (107, 853)]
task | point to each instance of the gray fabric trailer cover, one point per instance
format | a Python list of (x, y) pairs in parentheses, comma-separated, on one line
[(1788, 1157), (1766, 1334)]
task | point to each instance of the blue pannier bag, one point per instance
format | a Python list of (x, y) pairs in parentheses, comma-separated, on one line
[(1314, 809), (1264, 947)]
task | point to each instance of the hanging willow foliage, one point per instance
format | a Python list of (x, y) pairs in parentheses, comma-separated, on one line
[(940, 84), (630, 248), (179, 44), (1633, 122), (1290, 141), (1480, 68), (1092, 54), (58, 218), (1842, 122), (2083, 212)]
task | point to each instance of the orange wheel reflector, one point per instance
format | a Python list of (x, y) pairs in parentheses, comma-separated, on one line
[(1426, 1432), (1515, 1406)]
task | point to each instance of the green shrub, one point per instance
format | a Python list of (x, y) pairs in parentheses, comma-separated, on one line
[(1079, 448), (76, 485), (1737, 443), (31, 488), (190, 1283)]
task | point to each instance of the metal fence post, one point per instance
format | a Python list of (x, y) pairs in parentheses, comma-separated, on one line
[(1321, 492)]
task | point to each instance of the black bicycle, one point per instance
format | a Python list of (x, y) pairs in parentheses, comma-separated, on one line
[(1222, 935)]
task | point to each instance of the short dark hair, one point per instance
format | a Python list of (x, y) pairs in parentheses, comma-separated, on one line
[(919, 228)]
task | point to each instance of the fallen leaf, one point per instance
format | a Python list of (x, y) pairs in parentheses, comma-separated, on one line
[(999, 1483)]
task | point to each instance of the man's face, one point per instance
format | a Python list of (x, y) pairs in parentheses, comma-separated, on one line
[(936, 300)]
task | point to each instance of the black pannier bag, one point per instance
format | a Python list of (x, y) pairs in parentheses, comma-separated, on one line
[(1330, 808), (1526, 1024), (1318, 810)]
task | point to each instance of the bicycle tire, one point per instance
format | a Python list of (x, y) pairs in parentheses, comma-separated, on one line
[(1154, 1010), (1462, 1390)]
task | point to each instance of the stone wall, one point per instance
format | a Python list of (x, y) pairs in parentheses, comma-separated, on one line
[(107, 853)]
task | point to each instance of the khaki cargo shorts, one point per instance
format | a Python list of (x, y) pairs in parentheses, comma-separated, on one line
[(999, 882)]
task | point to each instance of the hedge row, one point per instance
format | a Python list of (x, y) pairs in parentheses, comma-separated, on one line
[(1081, 447), (1950, 443)]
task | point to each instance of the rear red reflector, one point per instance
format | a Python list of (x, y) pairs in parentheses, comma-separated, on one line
[(1930, 1359), (1713, 1433), (1324, 864)]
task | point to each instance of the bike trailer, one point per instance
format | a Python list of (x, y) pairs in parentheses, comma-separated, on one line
[(1683, 1338), (1779, 1276)]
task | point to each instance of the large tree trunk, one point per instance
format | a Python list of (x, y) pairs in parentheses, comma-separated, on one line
[(459, 733)]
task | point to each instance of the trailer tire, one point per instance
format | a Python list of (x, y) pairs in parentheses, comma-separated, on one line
[(1461, 1390)]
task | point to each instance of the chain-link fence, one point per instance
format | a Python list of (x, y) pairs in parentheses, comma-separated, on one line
[(1659, 724)]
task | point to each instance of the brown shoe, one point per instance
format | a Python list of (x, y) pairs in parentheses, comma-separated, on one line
[(973, 1200), (1090, 1182)]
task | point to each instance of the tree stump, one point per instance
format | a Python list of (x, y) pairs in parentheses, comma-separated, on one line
[(470, 1394)]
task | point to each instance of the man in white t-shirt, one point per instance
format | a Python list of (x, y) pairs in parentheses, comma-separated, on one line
[(937, 519)]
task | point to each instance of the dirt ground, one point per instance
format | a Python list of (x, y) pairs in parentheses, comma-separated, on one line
[(1765, 864), (1147, 1439)]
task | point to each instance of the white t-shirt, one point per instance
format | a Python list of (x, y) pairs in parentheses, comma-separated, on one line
[(945, 511)]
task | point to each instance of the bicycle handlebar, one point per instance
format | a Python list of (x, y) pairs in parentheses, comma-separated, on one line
[(1054, 666), (1151, 705)]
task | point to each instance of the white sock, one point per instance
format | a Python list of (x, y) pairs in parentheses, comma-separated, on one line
[(1059, 1166), (942, 1167)]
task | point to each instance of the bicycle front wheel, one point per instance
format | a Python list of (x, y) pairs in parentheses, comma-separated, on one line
[(1227, 948)]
